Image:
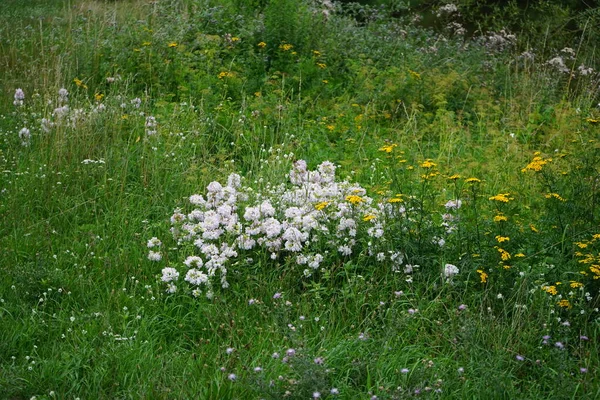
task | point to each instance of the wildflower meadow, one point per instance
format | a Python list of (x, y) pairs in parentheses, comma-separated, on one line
[(299, 199)]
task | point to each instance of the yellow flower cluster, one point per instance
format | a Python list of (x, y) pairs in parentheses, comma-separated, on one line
[(500, 218), (502, 197), (504, 255), (482, 275), (225, 74), (428, 164), (564, 303), (286, 46), (536, 164), (388, 148), (354, 199), (502, 239), (320, 206), (550, 289), (554, 195)]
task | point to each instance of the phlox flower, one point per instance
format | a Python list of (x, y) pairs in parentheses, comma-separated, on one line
[(450, 270), (196, 277), (19, 97), (193, 262), (169, 274), (25, 136), (154, 242), (197, 200), (154, 256)]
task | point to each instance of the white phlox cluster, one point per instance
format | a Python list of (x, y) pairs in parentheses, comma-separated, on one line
[(313, 218)]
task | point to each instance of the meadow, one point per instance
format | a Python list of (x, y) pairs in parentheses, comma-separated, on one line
[(227, 199)]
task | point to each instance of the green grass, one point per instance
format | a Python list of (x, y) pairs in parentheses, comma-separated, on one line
[(83, 312)]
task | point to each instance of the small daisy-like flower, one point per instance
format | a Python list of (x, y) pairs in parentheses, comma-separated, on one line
[(334, 391), (232, 377), (229, 350)]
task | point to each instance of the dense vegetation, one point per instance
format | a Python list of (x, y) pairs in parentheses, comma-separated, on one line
[(299, 199)]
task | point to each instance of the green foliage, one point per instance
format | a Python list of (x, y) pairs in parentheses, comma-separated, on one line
[(165, 97)]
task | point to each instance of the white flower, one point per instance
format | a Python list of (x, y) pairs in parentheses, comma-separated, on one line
[(169, 274), (450, 270), (345, 250), (453, 204), (196, 277), (154, 256), (193, 261), (19, 97), (252, 214), (25, 136), (154, 242), (197, 200)]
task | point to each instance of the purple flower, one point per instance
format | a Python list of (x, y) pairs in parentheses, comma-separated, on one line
[(398, 293), (462, 307), (277, 295), (583, 370), (411, 311), (318, 360), (583, 337), (232, 377), (559, 345), (520, 357), (404, 370), (316, 395), (290, 352)]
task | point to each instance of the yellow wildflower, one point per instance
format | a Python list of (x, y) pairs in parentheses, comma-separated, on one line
[(354, 199), (98, 96), (473, 180), (388, 148), (322, 65), (80, 83), (500, 217), (550, 289), (554, 195), (564, 303), (482, 275), (502, 197), (321, 205), (504, 255), (146, 43), (502, 239), (454, 177), (428, 164), (536, 164), (368, 217), (262, 45), (533, 228), (576, 285), (520, 255), (172, 44), (286, 46)]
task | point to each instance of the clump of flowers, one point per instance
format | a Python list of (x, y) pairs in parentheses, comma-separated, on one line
[(305, 222)]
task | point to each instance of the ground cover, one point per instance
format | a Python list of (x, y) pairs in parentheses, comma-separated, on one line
[(218, 199)]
